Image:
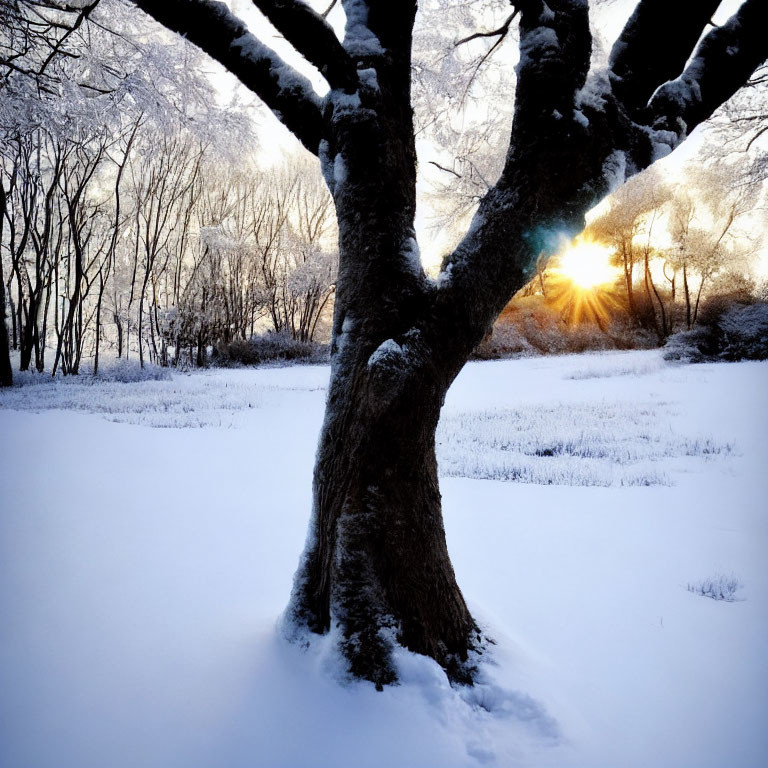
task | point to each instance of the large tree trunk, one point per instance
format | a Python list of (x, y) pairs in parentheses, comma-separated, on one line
[(377, 564), (376, 568), (6, 371)]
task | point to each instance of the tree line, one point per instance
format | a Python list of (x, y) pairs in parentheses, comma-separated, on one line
[(132, 212)]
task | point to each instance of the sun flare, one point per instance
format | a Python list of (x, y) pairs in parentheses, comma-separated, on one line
[(586, 264)]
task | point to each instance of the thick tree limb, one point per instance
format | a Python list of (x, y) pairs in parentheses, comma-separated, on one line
[(313, 37), (217, 31), (723, 62), (653, 48), (555, 48)]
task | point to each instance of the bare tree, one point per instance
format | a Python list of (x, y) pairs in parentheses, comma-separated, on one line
[(376, 565), (6, 371)]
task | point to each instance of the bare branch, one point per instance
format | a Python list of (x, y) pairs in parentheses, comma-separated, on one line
[(329, 9), (82, 16), (447, 170), (501, 31)]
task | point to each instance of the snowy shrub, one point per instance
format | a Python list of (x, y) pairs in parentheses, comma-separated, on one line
[(130, 371), (690, 346), (721, 587), (506, 340), (30, 378), (121, 371), (270, 347), (738, 332), (744, 332)]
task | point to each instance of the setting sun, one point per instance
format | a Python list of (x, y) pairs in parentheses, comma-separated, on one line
[(586, 264)]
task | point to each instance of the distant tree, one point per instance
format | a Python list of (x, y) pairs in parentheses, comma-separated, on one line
[(376, 565), (705, 213), (627, 225)]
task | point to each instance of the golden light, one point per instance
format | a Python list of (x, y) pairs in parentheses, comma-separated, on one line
[(582, 288), (586, 264)]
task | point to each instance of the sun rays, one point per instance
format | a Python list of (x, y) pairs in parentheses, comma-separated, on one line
[(582, 278)]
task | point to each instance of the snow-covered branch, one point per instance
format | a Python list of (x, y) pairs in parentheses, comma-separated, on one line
[(555, 48), (216, 30), (723, 62), (313, 37), (583, 135), (671, 31)]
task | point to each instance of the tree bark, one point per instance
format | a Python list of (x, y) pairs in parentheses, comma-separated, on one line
[(377, 566), (687, 298), (6, 370)]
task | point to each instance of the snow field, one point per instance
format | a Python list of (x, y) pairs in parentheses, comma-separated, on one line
[(143, 572)]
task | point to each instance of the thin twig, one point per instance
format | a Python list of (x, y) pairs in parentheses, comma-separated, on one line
[(325, 13), (447, 170), (502, 30)]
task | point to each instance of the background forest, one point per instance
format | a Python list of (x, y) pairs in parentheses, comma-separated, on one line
[(145, 213)]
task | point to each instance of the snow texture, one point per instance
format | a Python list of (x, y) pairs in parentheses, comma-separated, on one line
[(326, 164), (663, 142), (143, 571), (358, 38), (348, 326), (339, 170), (684, 90), (547, 14), (536, 44), (369, 78), (288, 78), (344, 101), (615, 170), (581, 118), (595, 92), (387, 353), (411, 255)]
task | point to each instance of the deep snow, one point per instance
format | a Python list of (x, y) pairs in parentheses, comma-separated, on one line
[(143, 572)]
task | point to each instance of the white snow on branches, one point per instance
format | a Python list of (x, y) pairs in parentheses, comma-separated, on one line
[(358, 38), (537, 44)]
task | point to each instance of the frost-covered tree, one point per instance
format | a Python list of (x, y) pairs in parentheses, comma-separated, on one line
[(376, 569), (627, 225), (703, 225), (99, 112)]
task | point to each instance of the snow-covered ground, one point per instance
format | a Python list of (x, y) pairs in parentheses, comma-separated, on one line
[(143, 571)]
